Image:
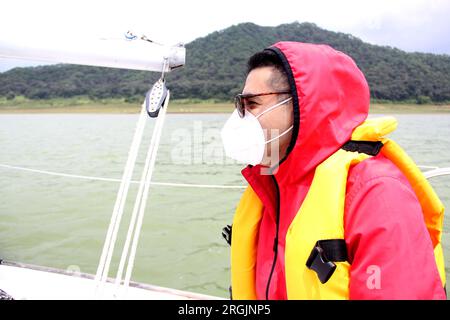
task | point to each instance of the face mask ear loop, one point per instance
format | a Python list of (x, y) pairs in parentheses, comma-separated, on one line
[(273, 107), (279, 136)]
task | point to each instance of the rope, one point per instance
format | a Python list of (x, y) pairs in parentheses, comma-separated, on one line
[(428, 167), (164, 184), (428, 174), (437, 172), (141, 201), (108, 248)]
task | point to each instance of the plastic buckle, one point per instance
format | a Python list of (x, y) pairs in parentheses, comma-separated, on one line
[(318, 262)]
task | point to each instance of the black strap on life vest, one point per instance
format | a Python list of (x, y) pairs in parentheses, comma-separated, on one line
[(324, 255), (226, 233), (372, 148)]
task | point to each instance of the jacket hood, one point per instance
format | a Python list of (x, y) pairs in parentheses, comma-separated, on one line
[(330, 99)]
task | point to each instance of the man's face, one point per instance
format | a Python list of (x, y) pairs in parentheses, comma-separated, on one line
[(274, 122)]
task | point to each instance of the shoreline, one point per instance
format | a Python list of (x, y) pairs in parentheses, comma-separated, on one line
[(203, 108)]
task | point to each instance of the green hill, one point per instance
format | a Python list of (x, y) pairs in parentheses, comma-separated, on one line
[(215, 69)]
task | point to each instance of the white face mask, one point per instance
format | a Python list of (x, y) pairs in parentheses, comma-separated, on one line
[(243, 138)]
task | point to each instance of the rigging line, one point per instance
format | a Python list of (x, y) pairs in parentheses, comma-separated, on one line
[(138, 201), (164, 184), (116, 217), (428, 167), (428, 174), (437, 172), (152, 154)]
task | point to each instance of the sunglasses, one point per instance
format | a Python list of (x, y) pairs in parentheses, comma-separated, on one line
[(239, 100)]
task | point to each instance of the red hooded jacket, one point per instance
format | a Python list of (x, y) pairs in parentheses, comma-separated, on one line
[(383, 219)]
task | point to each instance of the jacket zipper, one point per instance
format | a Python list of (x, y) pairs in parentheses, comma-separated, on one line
[(275, 242)]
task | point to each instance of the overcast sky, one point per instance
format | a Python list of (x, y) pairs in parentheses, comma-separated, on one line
[(411, 25)]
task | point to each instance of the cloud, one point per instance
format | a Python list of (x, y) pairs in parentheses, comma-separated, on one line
[(412, 25), (420, 26)]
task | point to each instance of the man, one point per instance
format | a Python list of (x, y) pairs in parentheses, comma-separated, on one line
[(330, 211)]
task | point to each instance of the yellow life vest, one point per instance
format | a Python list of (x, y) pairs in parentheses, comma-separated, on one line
[(327, 197)]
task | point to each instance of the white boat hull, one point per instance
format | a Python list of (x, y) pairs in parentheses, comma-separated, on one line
[(28, 282)]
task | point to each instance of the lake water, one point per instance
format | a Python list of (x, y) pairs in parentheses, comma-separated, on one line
[(62, 222)]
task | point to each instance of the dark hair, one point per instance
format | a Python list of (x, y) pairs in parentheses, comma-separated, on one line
[(268, 58)]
